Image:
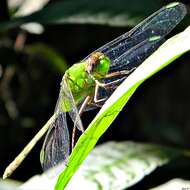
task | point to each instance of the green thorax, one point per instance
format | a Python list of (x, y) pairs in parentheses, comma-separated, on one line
[(81, 82)]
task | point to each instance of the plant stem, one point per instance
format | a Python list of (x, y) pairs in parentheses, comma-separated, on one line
[(18, 160)]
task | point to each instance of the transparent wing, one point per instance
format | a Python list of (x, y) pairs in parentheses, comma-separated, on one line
[(71, 107), (136, 55), (160, 23), (56, 147)]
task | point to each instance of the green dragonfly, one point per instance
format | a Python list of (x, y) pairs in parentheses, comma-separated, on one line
[(87, 85)]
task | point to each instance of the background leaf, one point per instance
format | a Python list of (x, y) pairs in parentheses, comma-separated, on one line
[(9, 185), (112, 165), (29, 6), (120, 165), (53, 58), (174, 184), (115, 13)]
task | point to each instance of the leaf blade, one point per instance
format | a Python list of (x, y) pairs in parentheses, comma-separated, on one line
[(114, 13)]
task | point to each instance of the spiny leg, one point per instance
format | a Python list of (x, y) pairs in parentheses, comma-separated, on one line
[(82, 108), (96, 100), (106, 86), (114, 74), (117, 73), (110, 84)]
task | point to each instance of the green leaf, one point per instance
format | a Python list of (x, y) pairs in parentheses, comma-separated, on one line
[(120, 165), (29, 6), (174, 184), (168, 52), (115, 13), (26, 8), (113, 165), (9, 185), (49, 54)]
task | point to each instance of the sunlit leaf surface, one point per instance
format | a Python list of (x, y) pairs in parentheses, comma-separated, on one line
[(113, 165)]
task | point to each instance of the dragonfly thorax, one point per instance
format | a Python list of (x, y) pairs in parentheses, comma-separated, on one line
[(98, 65)]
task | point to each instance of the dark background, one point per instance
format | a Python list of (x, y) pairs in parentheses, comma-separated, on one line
[(158, 112)]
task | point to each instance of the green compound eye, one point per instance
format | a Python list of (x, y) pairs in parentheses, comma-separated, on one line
[(102, 67), (104, 62)]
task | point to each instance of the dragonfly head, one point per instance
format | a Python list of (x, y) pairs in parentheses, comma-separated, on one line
[(98, 65)]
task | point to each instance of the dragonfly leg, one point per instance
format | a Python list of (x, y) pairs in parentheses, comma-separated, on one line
[(110, 75), (82, 108), (110, 84), (119, 73), (115, 82), (106, 86), (96, 100)]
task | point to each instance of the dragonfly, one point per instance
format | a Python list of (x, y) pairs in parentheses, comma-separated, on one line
[(87, 84)]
